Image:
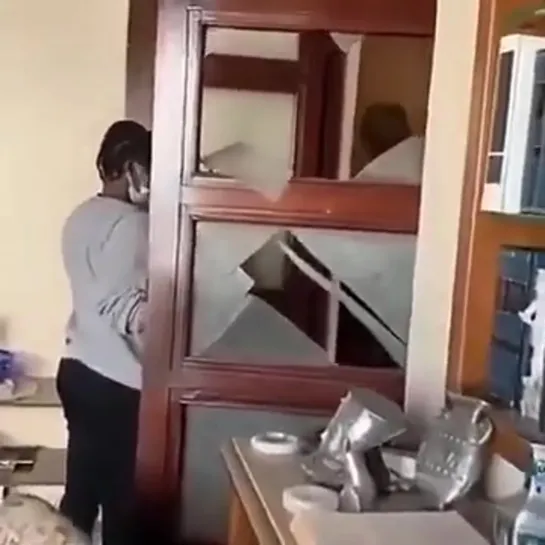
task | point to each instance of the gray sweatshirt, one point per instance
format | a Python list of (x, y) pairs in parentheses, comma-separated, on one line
[(105, 254)]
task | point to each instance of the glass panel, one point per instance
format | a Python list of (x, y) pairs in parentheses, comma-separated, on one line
[(358, 118), (495, 163), (533, 197), (273, 295), (502, 101), (391, 108), (496, 154), (236, 145), (256, 43), (248, 131), (205, 480)]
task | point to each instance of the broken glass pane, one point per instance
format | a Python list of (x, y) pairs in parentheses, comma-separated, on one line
[(377, 267), (270, 295), (232, 318), (220, 286), (247, 132), (315, 271), (251, 165), (259, 330)]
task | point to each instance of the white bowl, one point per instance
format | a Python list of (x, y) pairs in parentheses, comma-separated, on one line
[(275, 443), (309, 497)]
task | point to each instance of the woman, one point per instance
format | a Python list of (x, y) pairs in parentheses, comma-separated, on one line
[(104, 246)]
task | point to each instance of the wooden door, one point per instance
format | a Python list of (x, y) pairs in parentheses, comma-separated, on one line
[(205, 225)]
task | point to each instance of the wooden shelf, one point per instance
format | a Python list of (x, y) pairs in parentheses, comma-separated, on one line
[(494, 232), (515, 230), (45, 396), (49, 470), (482, 237)]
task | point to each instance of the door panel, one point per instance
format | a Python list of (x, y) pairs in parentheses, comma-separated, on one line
[(205, 481)]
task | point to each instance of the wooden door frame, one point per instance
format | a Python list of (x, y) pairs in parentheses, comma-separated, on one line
[(162, 416)]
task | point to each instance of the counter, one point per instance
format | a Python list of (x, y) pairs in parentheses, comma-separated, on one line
[(257, 516)]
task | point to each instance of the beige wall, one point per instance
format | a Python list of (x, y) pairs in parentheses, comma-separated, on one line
[(62, 66)]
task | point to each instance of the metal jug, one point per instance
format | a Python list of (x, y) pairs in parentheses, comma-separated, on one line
[(449, 461)]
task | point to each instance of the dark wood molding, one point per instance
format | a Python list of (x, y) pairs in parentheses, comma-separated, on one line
[(330, 149), (306, 202), (159, 441), (319, 105), (393, 17), (197, 382), (257, 74), (310, 103)]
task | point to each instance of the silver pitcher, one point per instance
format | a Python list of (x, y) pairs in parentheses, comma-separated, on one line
[(450, 458)]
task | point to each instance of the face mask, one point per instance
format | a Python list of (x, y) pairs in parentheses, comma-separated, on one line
[(138, 181)]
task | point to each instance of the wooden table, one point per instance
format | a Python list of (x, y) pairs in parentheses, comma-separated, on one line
[(257, 516)]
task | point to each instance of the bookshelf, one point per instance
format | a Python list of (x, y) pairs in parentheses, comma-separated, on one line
[(498, 252)]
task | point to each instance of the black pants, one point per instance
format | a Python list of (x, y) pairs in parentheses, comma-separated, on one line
[(102, 418)]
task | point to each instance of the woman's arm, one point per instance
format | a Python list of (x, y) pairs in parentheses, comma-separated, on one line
[(125, 263)]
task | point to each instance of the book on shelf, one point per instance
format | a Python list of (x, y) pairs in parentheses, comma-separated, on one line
[(515, 357)]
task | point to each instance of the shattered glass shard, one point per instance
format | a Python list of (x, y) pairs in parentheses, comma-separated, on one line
[(261, 334), (219, 285), (267, 174), (378, 267)]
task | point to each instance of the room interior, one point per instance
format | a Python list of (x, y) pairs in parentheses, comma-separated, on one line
[(201, 90)]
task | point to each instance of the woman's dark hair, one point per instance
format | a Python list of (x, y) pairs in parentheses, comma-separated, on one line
[(125, 141), (383, 126)]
